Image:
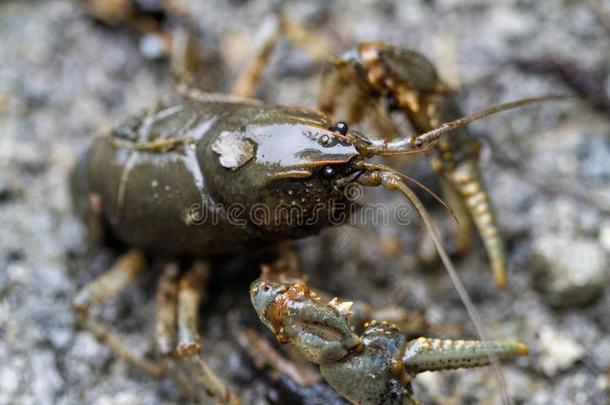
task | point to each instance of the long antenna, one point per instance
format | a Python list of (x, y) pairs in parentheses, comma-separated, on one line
[(435, 134), (422, 142), (461, 290)]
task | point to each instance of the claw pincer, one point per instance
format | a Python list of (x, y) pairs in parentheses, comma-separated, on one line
[(374, 368), (411, 85)]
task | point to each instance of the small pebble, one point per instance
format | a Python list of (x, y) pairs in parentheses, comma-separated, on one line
[(555, 258), (557, 352), (122, 398), (604, 236), (151, 46)]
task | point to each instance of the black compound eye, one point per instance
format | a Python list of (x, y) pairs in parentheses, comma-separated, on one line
[(329, 171), (392, 103), (340, 128)]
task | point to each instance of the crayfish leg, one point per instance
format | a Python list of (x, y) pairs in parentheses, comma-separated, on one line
[(109, 284), (188, 349)]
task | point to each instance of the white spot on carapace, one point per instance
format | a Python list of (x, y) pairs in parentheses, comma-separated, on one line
[(233, 151)]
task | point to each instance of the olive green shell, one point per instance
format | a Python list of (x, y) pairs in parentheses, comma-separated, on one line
[(205, 176)]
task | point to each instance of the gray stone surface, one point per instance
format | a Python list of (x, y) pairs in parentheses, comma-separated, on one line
[(557, 257), (64, 79)]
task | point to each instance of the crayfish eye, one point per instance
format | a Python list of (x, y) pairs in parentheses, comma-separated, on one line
[(328, 171), (340, 128), (392, 103)]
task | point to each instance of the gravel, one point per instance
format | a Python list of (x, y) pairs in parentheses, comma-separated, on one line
[(64, 79), (556, 257)]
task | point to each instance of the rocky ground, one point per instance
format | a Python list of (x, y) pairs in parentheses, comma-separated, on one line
[(64, 79)]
